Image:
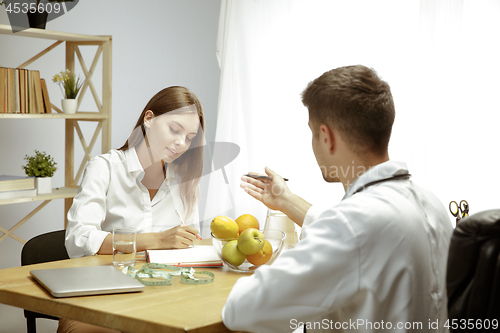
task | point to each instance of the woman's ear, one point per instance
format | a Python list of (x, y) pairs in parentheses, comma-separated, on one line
[(148, 117)]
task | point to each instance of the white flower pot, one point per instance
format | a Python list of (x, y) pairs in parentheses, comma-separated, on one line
[(43, 185), (69, 105)]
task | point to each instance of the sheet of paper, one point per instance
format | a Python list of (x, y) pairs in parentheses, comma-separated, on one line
[(199, 254)]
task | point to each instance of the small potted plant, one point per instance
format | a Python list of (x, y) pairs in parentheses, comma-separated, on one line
[(38, 12), (41, 166), (72, 86)]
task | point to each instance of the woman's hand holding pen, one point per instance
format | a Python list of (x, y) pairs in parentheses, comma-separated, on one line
[(179, 237)]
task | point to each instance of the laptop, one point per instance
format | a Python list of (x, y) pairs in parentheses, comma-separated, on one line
[(86, 281)]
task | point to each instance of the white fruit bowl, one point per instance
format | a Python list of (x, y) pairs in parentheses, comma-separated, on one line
[(275, 237)]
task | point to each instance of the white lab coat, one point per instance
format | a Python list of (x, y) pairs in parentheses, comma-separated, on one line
[(377, 258), (111, 195)]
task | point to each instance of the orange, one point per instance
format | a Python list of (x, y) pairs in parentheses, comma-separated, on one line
[(263, 256), (246, 221)]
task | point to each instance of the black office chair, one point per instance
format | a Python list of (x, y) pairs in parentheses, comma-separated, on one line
[(42, 248), (473, 271)]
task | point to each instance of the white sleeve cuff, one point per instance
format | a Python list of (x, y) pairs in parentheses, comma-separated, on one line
[(312, 215), (94, 242)]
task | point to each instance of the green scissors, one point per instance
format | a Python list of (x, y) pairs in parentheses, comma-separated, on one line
[(459, 211)]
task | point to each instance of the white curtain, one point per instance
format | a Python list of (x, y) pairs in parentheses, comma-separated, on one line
[(440, 57)]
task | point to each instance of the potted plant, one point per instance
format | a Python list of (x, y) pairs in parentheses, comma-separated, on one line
[(72, 86), (38, 12), (41, 166)]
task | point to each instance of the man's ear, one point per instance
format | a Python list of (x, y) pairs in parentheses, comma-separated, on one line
[(147, 118), (327, 137)]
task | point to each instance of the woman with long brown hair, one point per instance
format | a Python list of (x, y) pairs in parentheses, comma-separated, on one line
[(151, 183), (147, 183)]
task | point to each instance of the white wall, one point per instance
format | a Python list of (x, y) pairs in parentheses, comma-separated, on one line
[(156, 43)]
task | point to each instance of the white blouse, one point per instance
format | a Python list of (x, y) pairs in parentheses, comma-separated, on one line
[(112, 195)]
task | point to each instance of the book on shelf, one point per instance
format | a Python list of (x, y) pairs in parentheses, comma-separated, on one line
[(37, 91), (17, 194), (26, 89), (45, 94), (21, 91), (16, 183), (29, 92), (6, 89), (196, 256), (11, 91), (17, 107), (3, 85)]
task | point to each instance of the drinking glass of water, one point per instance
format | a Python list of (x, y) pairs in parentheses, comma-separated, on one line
[(278, 220), (124, 246)]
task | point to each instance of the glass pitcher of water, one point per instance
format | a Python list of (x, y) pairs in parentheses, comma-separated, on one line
[(278, 220)]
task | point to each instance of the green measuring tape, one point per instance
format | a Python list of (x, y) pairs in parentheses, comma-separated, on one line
[(163, 278)]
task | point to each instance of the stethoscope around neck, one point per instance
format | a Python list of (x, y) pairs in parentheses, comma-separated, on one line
[(404, 176)]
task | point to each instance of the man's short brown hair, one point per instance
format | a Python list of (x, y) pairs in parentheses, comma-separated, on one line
[(355, 101)]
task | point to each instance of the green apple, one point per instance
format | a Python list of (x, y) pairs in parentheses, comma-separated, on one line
[(231, 253), (251, 241)]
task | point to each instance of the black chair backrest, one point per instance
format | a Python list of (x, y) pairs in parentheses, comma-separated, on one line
[(473, 272), (44, 248)]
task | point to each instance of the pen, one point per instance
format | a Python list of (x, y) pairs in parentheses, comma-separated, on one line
[(262, 177), (183, 224), (180, 218)]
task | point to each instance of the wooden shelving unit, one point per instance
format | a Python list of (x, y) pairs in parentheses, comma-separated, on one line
[(102, 115), (89, 116)]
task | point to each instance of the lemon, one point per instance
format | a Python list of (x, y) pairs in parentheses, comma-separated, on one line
[(224, 227)]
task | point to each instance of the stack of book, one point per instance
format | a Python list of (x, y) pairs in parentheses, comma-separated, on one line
[(23, 91), (17, 187)]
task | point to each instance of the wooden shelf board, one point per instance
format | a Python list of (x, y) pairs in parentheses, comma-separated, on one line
[(57, 193), (54, 35), (77, 116)]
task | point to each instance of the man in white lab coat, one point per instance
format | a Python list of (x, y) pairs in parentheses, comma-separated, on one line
[(374, 262)]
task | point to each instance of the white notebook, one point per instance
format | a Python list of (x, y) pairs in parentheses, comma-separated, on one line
[(85, 281), (196, 256)]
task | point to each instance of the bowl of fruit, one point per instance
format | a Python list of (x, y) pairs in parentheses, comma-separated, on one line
[(240, 244)]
